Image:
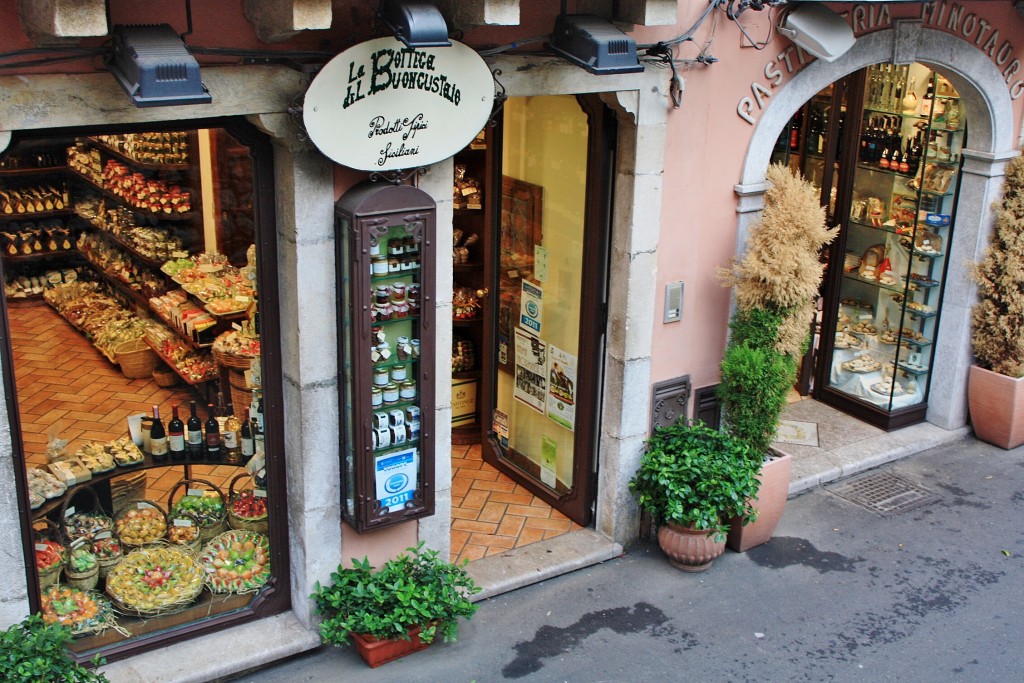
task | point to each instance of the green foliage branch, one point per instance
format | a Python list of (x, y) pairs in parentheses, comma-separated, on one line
[(417, 588)]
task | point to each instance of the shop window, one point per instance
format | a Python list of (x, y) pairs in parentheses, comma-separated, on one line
[(141, 316)]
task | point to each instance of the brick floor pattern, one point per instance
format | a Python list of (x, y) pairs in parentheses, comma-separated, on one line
[(65, 385), (492, 514)]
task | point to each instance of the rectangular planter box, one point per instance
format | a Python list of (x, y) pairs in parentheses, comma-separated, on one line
[(376, 652)]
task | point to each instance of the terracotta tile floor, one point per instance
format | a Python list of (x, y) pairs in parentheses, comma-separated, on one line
[(491, 513), (65, 384)]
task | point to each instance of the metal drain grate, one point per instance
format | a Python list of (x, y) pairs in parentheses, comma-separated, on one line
[(886, 493)]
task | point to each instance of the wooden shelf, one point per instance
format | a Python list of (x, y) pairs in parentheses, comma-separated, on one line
[(137, 163), (120, 201)]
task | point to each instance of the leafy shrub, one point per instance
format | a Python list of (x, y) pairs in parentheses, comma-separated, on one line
[(693, 475), (34, 652), (416, 588)]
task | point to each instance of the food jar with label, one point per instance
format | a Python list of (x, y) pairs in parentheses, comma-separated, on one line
[(379, 265), (408, 390), (380, 377), (376, 397), (412, 430), (375, 249), (415, 348), (411, 245), (400, 310), (394, 265), (391, 393), (397, 292), (381, 294), (396, 247), (398, 374)]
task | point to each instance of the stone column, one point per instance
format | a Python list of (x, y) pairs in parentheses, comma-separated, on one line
[(304, 200)]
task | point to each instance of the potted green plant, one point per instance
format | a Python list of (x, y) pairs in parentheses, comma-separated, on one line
[(692, 480), (775, 285), (398, 609), (32, 650), (995, 387)]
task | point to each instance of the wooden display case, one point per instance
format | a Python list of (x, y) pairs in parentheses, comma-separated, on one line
[(386, 331)]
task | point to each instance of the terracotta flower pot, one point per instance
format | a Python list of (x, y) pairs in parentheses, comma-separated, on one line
[(377, 651), (771, 500), (689, 549), (996, 403)]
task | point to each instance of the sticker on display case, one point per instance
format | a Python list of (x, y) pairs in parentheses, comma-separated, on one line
[(530, 307), (396, 477), (382, 106), (548, 460)]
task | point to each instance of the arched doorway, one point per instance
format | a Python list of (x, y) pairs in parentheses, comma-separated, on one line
[(987, 106)]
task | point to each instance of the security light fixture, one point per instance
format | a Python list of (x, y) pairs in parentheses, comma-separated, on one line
[(594, 44), (818, 30), (415, 23), (155, 68)]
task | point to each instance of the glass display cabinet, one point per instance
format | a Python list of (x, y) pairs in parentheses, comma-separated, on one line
[(892, 250), (385, 242)]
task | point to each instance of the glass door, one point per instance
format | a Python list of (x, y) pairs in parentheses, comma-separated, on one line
[(549, 295)]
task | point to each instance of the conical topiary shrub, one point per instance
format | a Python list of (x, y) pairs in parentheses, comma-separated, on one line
[(995, 388)]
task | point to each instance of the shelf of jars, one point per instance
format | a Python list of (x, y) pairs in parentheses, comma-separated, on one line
[(151, 197), (150, 151)]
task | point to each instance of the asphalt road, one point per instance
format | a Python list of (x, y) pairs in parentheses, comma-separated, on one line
[(841, 593)]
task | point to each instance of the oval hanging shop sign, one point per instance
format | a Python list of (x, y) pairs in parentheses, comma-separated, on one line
[(382, 106)]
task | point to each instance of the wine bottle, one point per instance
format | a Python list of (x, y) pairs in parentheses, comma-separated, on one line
[(194, 447), (247, 443), (213, 448), (176, 435), (232, 427), (256, 412), (928, 100), (158, 437)]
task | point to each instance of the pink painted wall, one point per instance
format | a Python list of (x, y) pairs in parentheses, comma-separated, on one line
[(707, 142)]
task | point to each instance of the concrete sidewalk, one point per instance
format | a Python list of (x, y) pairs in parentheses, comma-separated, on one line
[(841, 594)]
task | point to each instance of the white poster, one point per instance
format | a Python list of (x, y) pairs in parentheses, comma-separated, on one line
[(396, 475), (531, 370), (530, 307), (561, 400)]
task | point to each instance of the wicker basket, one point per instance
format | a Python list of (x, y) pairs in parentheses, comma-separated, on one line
[(260, 524), (232, 360), (174, 528), (210, 527), (107, 563), (84, 580), (136, 359), (83, 523), (128, 530), (50, 575), (165, 377), (188, 572)]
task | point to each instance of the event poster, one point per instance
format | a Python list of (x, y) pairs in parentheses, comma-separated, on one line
[(561, 399), (531, 370)]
